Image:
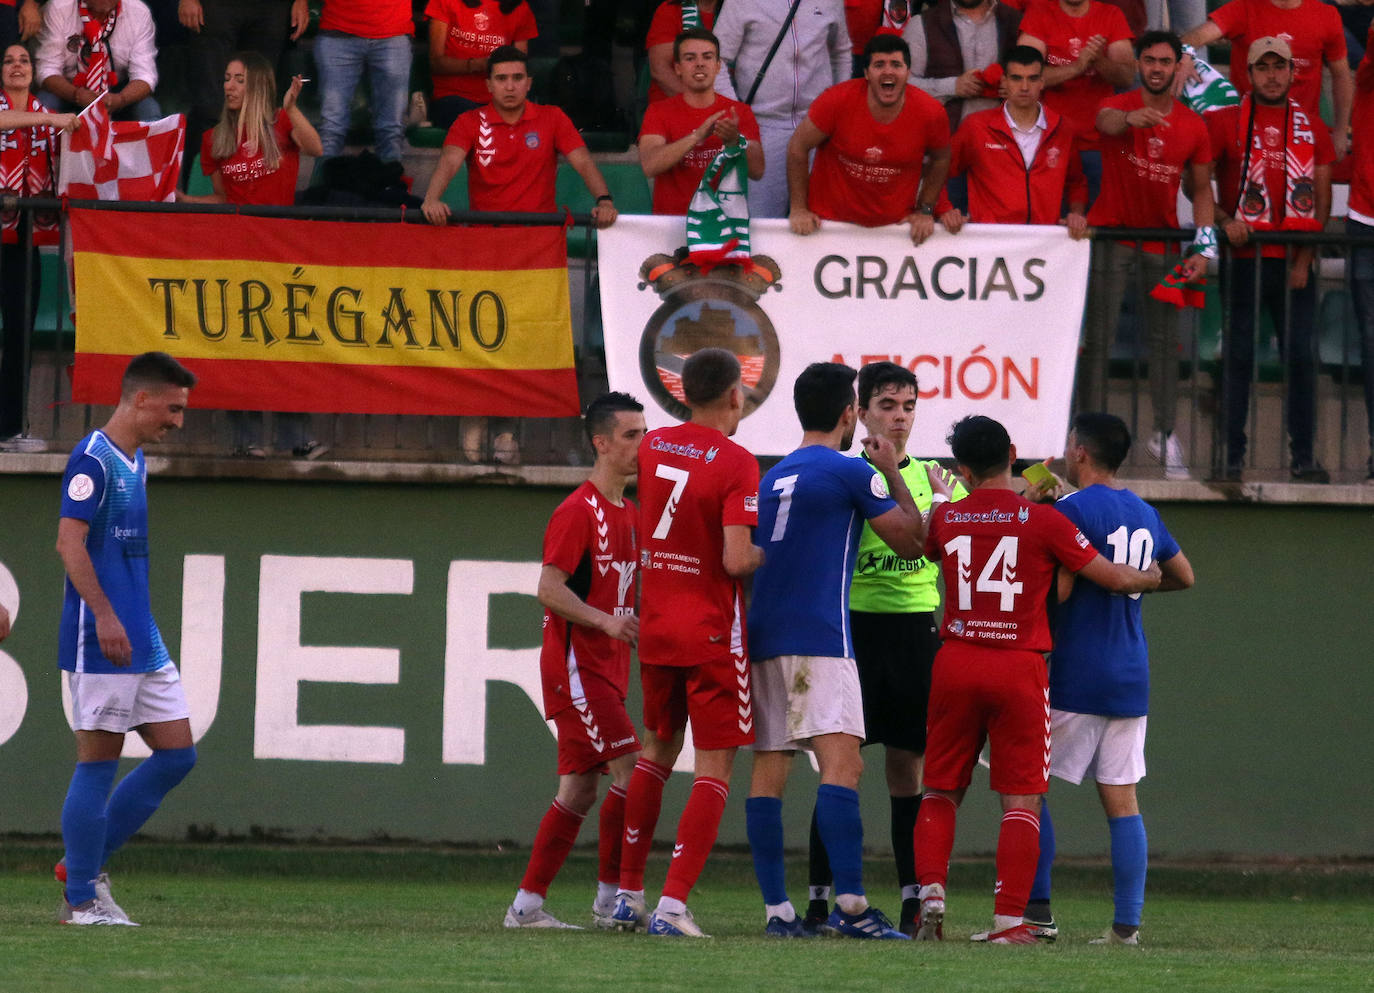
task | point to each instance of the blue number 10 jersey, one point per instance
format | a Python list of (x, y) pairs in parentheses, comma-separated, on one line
[(1100, 662)]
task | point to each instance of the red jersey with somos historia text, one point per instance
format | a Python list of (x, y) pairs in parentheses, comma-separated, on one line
[(673, 119), (1312, 29), (1143, 167), (997, 555), (1064, 37), (514, 166), (244, 174), (693, 482), (474, 33), (866, 172), (593, 541)]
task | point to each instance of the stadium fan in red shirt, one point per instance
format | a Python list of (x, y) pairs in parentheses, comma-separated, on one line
[(682, 134), (1273, 171), (1020, 158), (1150, 141), (998, 553), (462, 35), (699, 498), (670, 20), (29, 135), (1087, 46), (881, 149), (253, 156), (1313, 32), (511, 147), (1360, 222), (587, 587), (358, 35)]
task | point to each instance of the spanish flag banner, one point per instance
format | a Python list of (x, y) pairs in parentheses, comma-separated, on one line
[(327, 316)]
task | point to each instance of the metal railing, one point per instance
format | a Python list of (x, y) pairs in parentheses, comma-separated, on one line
[(1342, 440)]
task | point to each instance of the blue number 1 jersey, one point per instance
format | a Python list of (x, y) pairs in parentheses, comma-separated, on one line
[(1100, 662), (107, 489), (812, 507)]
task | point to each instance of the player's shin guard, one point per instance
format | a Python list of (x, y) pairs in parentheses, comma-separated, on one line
[(1130, 856), (643, 800), (696, 835), (905, 810), (612, 829), (1040, 888), (763, 822), (1018, 845), (933, 839), (140, 793), (552, 842), (842, 830), (83, 826)]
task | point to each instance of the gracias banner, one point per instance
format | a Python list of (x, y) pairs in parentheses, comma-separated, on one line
[(326, 316), (988, 319)]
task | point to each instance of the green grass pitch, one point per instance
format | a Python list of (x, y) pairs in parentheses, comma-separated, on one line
[(253, 918)]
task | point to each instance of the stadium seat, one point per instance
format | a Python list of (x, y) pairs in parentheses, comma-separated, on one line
[(626, 182), (1338, 338), (198, 184)]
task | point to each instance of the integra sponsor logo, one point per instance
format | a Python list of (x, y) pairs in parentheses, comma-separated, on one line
[(686, 451), (874, 562)]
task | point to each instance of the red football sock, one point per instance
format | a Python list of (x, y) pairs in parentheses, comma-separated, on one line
[(696, 834), (612, 827), (642, 802), (934, 839), (1018, 850), (552, 843)]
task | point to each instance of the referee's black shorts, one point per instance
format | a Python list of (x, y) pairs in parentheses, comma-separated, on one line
[(894, 653)]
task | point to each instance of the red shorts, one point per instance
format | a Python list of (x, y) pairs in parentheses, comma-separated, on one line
[(982, 695), (716, 697), (593, 733)]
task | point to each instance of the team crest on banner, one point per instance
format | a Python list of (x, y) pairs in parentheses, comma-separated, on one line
[(987, 319), (719, 309)]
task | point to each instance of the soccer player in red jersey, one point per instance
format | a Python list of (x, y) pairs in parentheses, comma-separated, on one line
[(699, 496), (587, 589), (998, 554), (682, 134), (881, 149), (511, 147)]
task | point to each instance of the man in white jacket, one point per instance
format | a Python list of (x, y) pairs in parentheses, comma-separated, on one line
[(814, 55)]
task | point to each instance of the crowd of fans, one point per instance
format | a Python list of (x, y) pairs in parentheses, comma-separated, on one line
[(874, 112)]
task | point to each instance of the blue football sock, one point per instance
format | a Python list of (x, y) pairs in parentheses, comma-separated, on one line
[(1040, 887), (141, 791), (842, 830), (1130, 856), (83, 826), (763, 824)]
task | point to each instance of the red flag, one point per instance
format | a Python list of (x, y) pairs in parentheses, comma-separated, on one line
[(122, 160)]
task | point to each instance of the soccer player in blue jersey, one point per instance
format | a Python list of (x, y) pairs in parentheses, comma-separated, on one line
[(812, 507), (117, 668), (1099, 672)]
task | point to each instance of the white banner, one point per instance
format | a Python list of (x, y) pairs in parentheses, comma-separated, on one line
[(988, 319)]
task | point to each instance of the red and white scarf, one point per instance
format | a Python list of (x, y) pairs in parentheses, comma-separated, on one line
[(1255, 205), (28, 168), (93, 57)]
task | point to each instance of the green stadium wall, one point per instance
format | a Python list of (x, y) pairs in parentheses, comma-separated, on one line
[(362, 661)]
